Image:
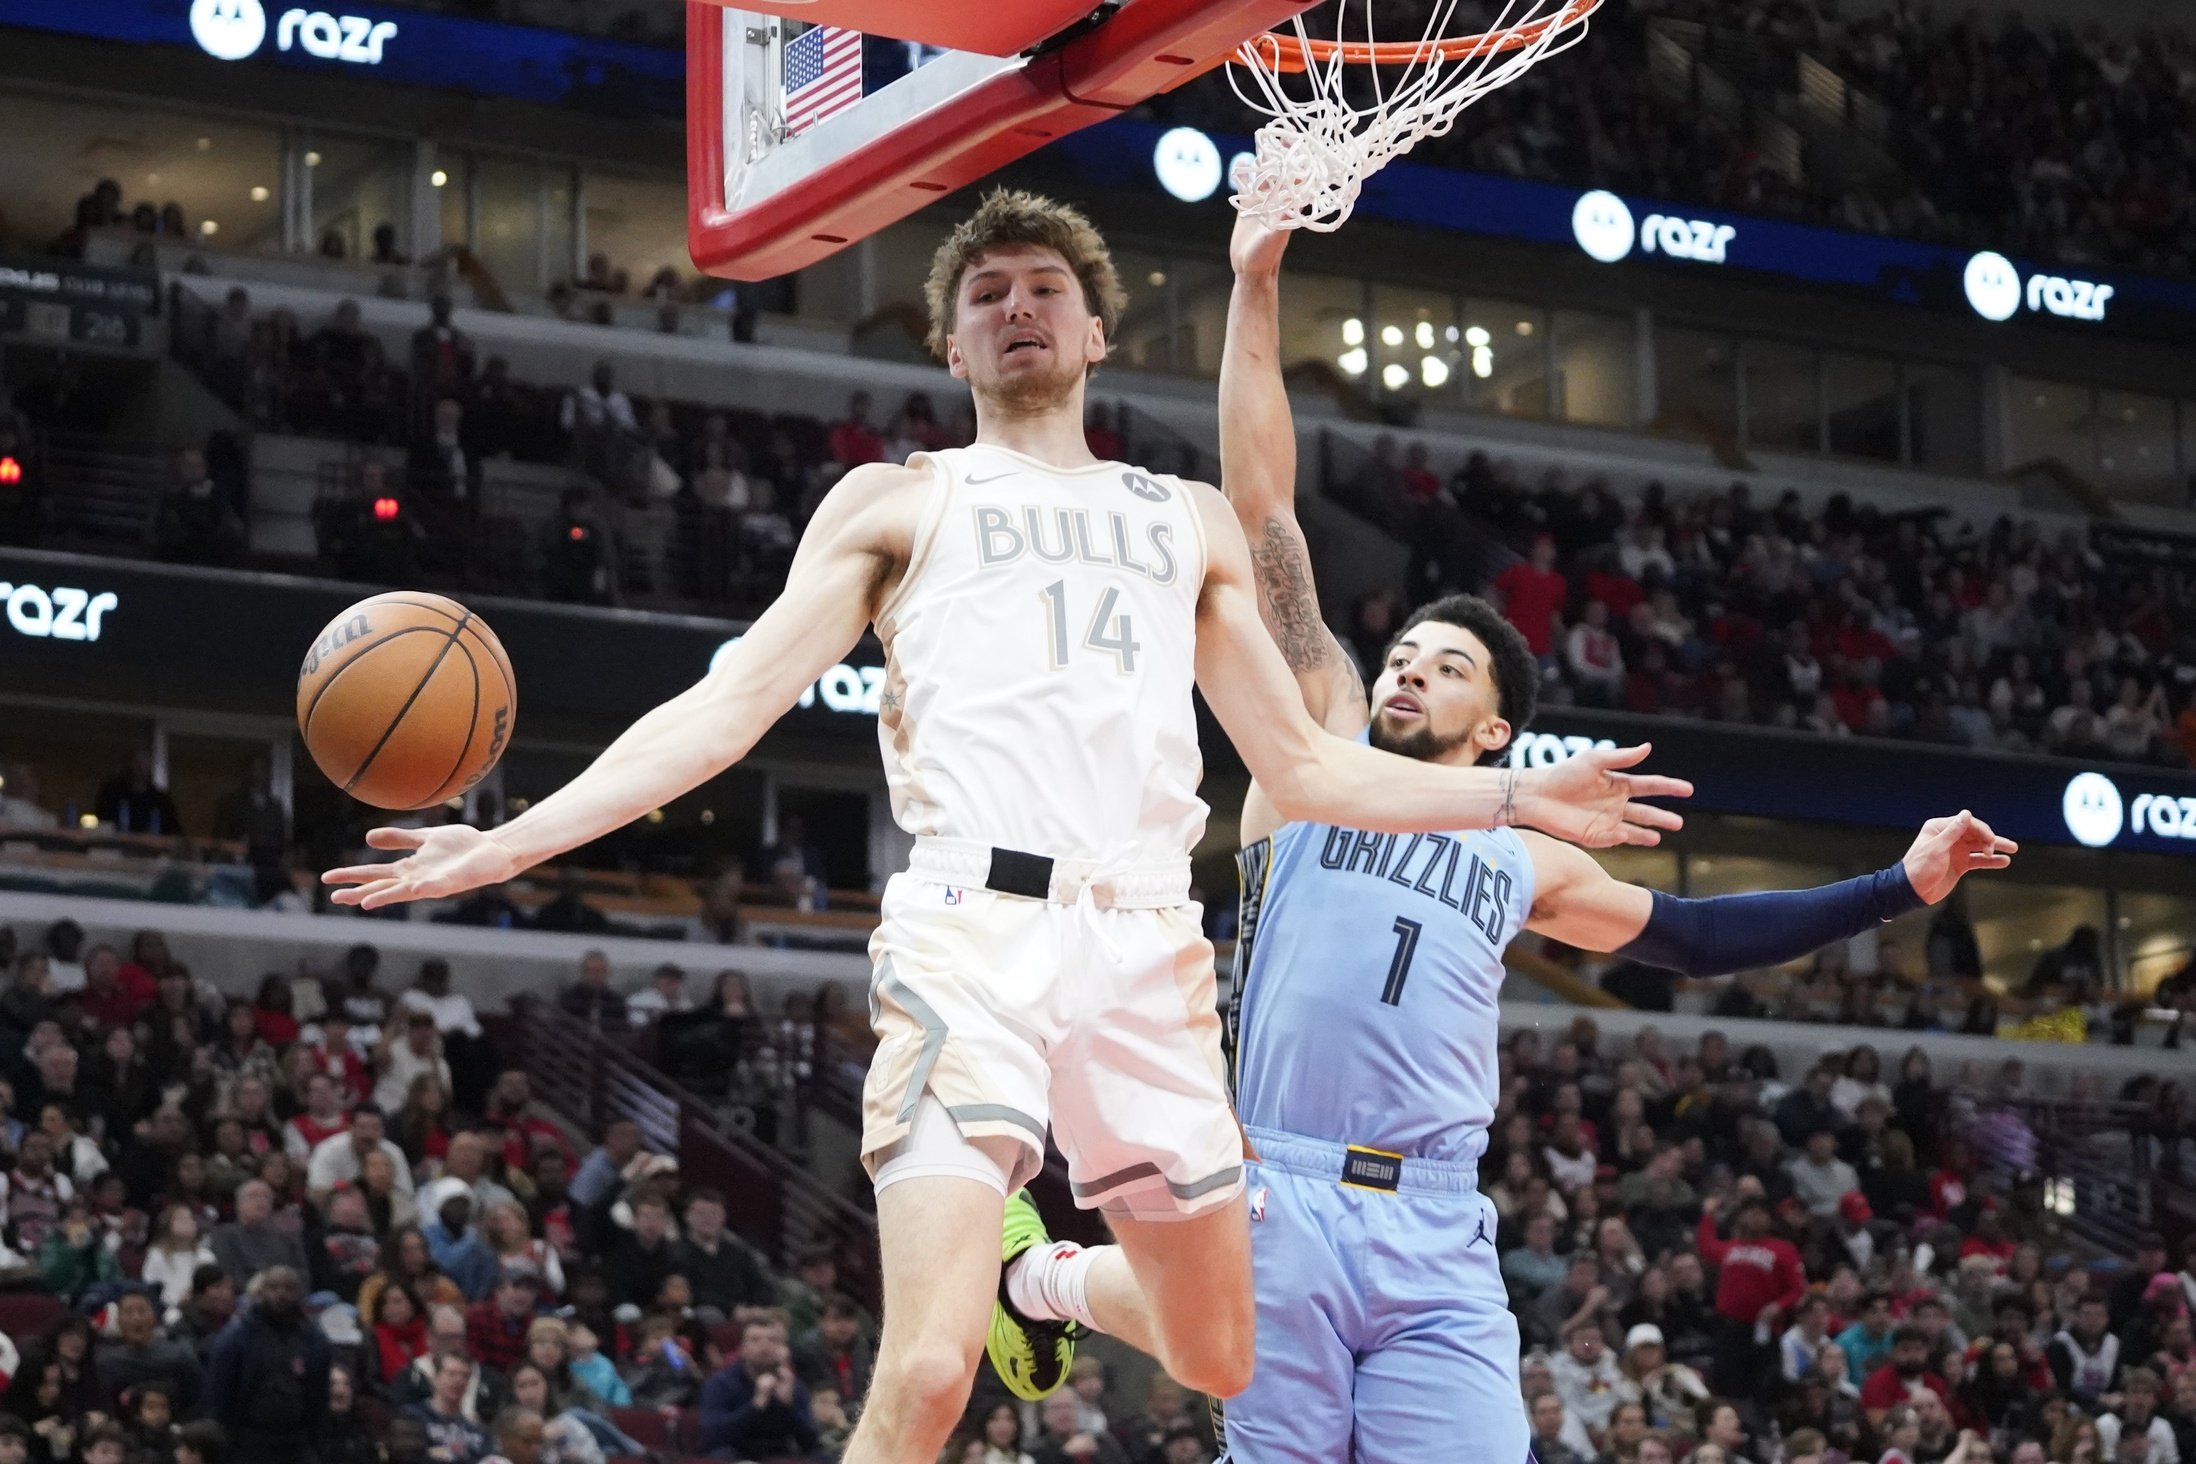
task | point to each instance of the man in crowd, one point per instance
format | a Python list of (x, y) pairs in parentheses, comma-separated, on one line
[(267, 1383), (755, 1408), (252, 1242)]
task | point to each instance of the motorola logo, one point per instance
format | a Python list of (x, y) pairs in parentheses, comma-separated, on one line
[(1188, 164), (1602, 224), (1994, 289), (234, 30), (2093, 810), (228, 30)]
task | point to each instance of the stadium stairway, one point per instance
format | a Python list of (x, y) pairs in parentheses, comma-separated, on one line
[(589, 1079)]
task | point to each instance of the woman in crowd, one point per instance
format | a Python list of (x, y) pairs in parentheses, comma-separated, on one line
[(388, 1207), (406, 1258), (178, 1248), (507, 1233), (419, 1127), (396, 1323)]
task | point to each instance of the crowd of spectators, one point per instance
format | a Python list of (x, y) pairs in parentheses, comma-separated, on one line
[(1709, 1264), (332, 1222), (725, 493), (1840, 620), (2002, 132)]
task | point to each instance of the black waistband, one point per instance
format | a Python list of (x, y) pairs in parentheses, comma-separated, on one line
[(1016, 873)]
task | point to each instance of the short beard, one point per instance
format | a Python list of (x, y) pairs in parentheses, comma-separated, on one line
[(1031, 395), (1424, 745)]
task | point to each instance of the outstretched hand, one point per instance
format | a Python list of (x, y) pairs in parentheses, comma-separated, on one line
[(444, 861), (1948, 848), (1591, 801)]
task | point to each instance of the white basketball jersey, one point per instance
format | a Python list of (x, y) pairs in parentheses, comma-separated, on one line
[(1039, 656)]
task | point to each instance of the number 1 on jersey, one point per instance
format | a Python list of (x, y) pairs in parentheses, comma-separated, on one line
[(1399, 968), (1121, 645)]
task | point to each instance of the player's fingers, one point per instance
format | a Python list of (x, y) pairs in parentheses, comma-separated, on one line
[(388, 892), (1619, 757), (1992, 861), (1654, 785), (1641, 837), (1646, 815), (356, 874), (396, 838)]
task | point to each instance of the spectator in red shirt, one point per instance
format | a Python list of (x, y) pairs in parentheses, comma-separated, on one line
[(1420, 482), (1989, 1238), (1758, 1279), (854, 441), (334, 1055), (1533, 594), (495, 1327), (272, 1013), (113, 993), (1897, 1380), (525, 1133), (324, 1117)]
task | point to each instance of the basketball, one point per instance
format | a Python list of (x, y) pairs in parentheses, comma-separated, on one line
[(406, 699)]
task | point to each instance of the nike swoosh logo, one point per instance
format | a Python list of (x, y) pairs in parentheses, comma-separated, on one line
[(995, 477)]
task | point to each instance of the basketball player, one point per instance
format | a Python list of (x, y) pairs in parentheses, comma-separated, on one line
[(1365, 1013), (1043, 615)]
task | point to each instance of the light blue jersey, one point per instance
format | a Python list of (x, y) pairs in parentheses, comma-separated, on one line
[(1366, 985), (1365, 1028)]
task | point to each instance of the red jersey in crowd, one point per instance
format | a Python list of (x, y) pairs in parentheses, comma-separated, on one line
[(1886, 1389), (1750, 1274), (1531, 599)]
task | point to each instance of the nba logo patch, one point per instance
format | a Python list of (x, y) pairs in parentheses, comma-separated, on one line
[(1258, 1204), (953, 895)]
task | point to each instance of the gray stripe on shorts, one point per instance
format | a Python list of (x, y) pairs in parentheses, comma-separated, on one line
[(997, 1113), (1190, 1191), (934, 1035)]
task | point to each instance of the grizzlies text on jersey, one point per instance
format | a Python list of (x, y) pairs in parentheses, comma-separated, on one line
[(1367, 981)]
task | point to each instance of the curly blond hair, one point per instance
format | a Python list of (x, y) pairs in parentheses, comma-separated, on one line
[(1010, 218)]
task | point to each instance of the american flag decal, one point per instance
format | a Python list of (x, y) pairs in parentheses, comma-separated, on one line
[(823, 75)]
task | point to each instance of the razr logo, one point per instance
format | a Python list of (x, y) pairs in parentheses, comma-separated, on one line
[(62, 613)]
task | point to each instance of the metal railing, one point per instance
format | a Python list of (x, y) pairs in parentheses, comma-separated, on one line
[(2102, 1171), (777, 1206)]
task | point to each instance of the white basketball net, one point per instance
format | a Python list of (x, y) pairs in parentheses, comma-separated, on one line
[(1318, 147)]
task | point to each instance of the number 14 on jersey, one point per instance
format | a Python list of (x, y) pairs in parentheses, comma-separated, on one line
[(1100, 635)]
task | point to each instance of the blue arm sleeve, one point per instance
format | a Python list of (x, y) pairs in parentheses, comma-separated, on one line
[(1726, 933)]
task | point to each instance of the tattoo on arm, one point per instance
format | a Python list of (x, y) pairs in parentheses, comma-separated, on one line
[(1507, 816), (1283, 567)]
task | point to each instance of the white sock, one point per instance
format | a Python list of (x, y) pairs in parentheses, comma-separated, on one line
[(1050, 1283)]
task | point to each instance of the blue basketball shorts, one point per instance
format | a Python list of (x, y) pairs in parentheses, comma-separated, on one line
[(1384, 1330)]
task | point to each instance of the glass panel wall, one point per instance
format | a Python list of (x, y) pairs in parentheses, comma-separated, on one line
[(1697, 373), (1783, 397), (1501, 363), (1323, 319), (218, 181), (2135, 447), (640, 224), (2052, 419), (1943, 417), (1592, 367), (2157, 936), (1861, 406), (360, 186)]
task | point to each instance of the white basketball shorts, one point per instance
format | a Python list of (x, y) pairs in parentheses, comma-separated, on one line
[(1092, 1012)]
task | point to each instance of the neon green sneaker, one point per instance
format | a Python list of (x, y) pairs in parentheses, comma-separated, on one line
[(1031, 1357)]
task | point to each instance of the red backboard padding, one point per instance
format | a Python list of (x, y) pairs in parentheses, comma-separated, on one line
[(1148, 47), (993, 29)]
